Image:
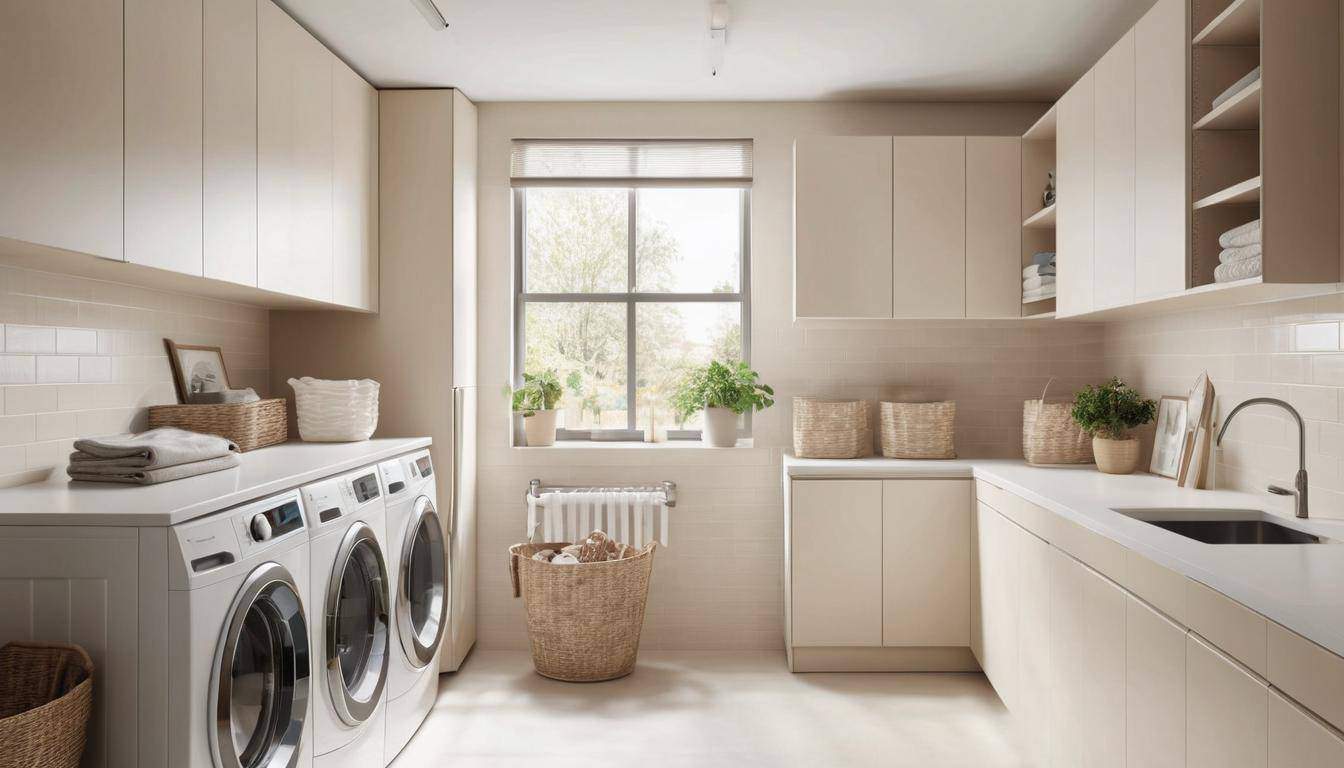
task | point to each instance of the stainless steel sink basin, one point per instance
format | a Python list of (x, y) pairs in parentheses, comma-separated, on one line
[(1229, 526)]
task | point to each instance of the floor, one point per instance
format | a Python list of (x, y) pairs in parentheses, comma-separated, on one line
[(711, 709)]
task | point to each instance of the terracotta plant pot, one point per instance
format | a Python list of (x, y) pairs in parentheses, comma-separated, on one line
[(1116, 457), (720, 428), (540, 428)]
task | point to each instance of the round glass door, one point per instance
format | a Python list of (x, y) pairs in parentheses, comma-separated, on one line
[(260, 681), (422, 596), (357, 626)]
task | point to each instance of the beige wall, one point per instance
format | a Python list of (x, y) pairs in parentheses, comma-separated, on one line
[(718, 585), (83, 357)]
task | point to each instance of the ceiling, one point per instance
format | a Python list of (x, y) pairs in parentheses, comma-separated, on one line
[(786, 50)]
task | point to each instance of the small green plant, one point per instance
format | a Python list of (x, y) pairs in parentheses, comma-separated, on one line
[(540, 392), (1110, 410), (721, 385)]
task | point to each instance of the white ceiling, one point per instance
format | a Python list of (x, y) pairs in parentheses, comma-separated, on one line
[(657, 50)]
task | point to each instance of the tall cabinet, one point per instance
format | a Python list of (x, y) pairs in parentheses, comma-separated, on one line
[(1076, 183)]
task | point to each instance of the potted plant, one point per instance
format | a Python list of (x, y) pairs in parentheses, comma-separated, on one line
[(536, 401), (723, 391), (1108, 412)]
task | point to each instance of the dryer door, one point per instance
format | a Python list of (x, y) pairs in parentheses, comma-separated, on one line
[(259, 685), (357, 626), (422, 593)]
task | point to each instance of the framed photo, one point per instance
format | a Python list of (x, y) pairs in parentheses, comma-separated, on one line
[(1169, 439), (196, 369)]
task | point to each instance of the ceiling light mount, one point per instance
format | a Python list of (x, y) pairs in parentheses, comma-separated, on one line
[(430, 10), (718, 35)]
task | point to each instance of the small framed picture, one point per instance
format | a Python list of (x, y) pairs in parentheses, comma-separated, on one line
[(196, 369), (1169, 439)]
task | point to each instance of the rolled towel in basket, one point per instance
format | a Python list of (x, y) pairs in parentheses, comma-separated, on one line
[(1238, 237)]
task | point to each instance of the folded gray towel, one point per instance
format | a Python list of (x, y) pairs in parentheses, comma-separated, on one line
[(223, 397), (1229, 255), (148, 476), (1043, 258), (154, 449), (1246, 234), (1236, 87), (1038, 270)]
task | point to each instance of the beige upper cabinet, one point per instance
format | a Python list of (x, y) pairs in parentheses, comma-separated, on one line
[(164, 82), (354, 190), (1161, 128), (294, 158), (1113, 236), (993, 226), (842, 226), (231, 141), (837, 601), (1074, 179), (926, 542), (929, 226)]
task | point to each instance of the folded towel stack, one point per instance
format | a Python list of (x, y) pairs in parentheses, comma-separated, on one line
[(147, 458), (1241, 257), (1038, 280)]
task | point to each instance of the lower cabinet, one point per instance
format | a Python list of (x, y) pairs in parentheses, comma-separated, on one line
[(1034, 646), (1298, 739), (1154, 688), (998, 594), (926, 572), (835, 562), (1226, 711)]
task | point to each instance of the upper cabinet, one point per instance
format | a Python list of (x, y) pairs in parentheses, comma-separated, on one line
[(993, 226), (1076, 184), (354, 195), (231, 141), (1113, 179), (929, 226)]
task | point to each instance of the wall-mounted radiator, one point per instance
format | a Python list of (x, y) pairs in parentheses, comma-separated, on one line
[(631, 514)]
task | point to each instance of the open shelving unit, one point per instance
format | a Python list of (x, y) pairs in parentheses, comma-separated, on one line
[(1243, 193), (1038, 219), (1237, 24)]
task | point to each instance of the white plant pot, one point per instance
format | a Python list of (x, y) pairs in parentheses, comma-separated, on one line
[(720, 428), (540, 428)]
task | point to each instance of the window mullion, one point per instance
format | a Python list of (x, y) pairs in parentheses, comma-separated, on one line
[(631, 408)]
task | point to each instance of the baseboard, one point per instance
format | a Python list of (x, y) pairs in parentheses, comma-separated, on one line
[(867, 659)]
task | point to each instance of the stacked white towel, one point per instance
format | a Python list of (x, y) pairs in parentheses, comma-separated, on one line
[(156, 456), (1244, 269), (1242, 236), (1242, 254), (1038, 279)]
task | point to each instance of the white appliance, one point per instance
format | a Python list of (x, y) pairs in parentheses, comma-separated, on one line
[(351, 627), (239, 669)]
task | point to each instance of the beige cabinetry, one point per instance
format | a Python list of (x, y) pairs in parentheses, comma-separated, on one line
[(354, 189), (998, 593), (993, 226), (230, 141), (842, 226), (1298, 739), (926, 548), (929, 226), (1075, 180), (1154, 688), (1227, 710), (1162, 117), (836, 562), (1113, 132), (1035, 645)]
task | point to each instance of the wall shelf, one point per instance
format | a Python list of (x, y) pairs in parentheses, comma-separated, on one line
[(1239, 24), (1042, 219), (1245, 192), (1029, 302), (1239, 113)]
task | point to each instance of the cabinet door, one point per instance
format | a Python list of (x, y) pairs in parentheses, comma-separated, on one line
[(842, 226), (1034, 651), (929, 226), (1074, 189), (1113, 239), (998, 587), (294, 158), (993, 226), (164, 81), (926, 543), (355, 191), (61, 126), (1154, 688), (231, 141), (1226, 711), (836, 562), (1161, 133), (1087, 687), (1298, 739)]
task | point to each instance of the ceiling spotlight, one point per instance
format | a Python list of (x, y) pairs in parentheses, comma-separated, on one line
[(430, 10), (718, 35)]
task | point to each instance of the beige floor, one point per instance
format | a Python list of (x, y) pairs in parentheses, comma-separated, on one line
[(710, 709)]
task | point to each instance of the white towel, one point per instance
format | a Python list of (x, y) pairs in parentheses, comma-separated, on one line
[(1238, 270), (1038, 270), (1238, 237), (1229, 255), (1033, 283), (1039, 294)]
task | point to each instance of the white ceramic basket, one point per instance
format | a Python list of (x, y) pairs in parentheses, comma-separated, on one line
[(335, 411)]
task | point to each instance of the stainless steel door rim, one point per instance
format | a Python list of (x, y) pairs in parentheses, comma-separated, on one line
[(420, 638), (356, 647)]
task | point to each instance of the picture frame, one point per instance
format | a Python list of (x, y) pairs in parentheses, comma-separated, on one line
[(1169, 437), (196, 368)]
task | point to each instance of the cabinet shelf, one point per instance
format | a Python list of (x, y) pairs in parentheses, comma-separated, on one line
[(1028, 302), (1239, 24), (1246, 192), (1239, 113), (1043, 129), (1042, 219)]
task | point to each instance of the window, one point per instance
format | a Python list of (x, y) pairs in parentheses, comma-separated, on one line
[(622, 287)]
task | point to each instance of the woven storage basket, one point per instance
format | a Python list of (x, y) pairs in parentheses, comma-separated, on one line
[(1050, 435), (831, 429), (46, 692), (917, 430), (250, 425), (583, 620)]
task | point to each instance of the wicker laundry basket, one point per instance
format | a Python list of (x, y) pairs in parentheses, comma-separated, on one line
[(1050, 435), (831, 429), (250, 425), (584, 620), (918, 430), (46, 693)]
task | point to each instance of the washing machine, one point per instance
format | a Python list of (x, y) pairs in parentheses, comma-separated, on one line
[(352, 619), (421, 593), (239, 666)]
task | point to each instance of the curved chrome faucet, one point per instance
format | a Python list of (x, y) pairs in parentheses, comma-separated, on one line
[(1299, 491)]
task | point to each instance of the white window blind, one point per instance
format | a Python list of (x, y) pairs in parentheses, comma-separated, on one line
[(607, 162)]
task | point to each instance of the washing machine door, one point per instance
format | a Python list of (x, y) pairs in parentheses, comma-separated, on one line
[(422, 590), (356, 630), (259, 685)]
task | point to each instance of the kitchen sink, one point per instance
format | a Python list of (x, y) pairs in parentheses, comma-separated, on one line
[(1225, 526)]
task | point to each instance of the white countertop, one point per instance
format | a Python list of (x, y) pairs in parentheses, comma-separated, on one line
[(61, 501), (1299, 586)]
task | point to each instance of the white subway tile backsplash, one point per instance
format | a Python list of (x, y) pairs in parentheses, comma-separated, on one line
[(55, 369), (76, 341), (1316, 337), (18, 369), (54, 426), (95, 369), (16, 430), (35, 399), (30, 339)]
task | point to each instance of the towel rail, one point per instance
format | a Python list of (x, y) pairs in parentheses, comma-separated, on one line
[(666, 487)]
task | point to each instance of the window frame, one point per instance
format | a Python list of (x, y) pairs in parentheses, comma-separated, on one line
[(630, 298)]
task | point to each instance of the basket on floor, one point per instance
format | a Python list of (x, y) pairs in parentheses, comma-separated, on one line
[(583, 621), (46, 693)]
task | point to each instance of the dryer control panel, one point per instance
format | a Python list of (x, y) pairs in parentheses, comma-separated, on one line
[(218, 545)]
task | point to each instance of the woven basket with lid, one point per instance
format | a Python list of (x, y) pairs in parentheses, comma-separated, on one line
[(831, 429), (46, 694), (918, 430)]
